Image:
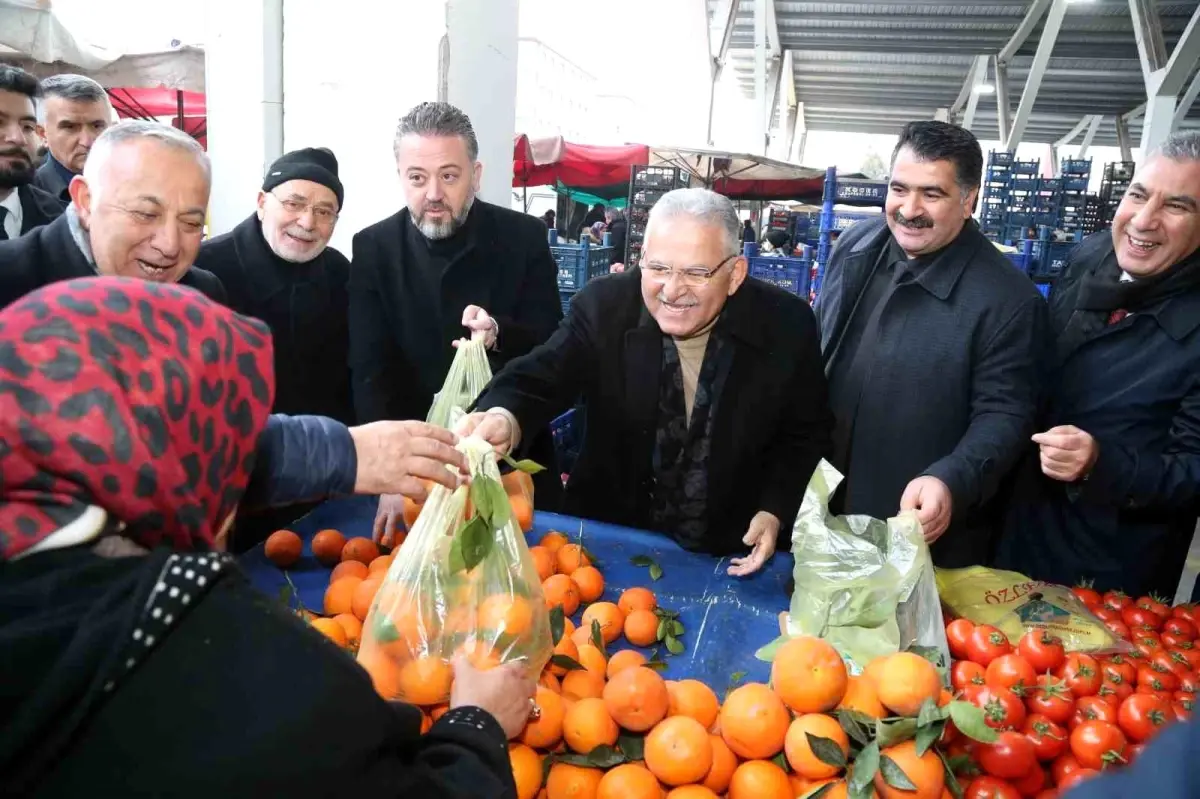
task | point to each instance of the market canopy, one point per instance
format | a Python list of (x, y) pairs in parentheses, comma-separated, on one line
[(152, 103), (742, 176), (551, 161)]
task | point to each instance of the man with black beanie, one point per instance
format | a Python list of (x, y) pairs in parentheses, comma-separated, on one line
[(277, 266)]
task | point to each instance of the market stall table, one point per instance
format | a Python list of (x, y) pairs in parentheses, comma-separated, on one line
[(725, 618)]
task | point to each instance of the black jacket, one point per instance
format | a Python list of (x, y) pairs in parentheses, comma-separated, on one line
[(1135, 387), (771, 428), (952, 387), (38, 208), (48, 179), (619, 230), (305, 305), (49, 254)]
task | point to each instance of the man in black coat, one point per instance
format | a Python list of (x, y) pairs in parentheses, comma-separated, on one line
[(618, 229), (137, 211), (1113, 492), (75, 111), (931, 343), (706, 402), (23, 206), (446, 266)]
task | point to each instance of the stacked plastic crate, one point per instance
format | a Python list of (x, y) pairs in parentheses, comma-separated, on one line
[(994, 203), (646, 185), (577, 264), (1117, 177), (1076, 172), (1093, 216), (1032, 201)]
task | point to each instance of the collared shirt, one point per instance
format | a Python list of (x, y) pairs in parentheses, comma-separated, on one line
[(14, 214)]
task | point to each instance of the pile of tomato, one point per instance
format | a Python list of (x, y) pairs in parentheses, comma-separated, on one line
[(1062, 717)]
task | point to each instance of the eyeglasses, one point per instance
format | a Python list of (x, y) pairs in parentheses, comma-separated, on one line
[(692, 276), (321, 213)]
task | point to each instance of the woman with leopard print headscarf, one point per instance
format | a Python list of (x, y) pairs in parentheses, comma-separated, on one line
[(136, 660)]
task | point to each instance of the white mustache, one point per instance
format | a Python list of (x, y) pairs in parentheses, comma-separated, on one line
[(303, 235), (665, 301)]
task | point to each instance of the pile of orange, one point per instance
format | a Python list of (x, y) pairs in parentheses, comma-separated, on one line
[(518, 486)]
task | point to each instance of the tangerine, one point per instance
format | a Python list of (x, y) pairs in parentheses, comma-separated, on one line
[(725, 762), (564, 647), (380, 564), (331, 630), (364, 595), (553, 541), (636, 698), (904, 681), (327, 546), (925, 772), (678, 751), (760, 779), (637, 598), (506, 613), (352, 626), (590, 582), (543, 561), (610, 617), (641, 627), (348, 568), (693, 698), (560, 591), (339, 596), (809, 675), (862, 696), (754, 721), (587, 724), (593, 660), (547, 729), (383, 671), (691, 792), (570, 557), (629, 781), (566, 781), (526, 769), (283, 548), (624, 659), (425, 680), (362, 549), (582, 684), (800, 755)]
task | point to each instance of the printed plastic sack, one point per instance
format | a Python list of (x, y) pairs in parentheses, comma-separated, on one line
[(864, 585), (469, 373), (1013, 603), (463, 583)]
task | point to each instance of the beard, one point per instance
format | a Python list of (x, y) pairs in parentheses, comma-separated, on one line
[(15, 175), (436, 231)]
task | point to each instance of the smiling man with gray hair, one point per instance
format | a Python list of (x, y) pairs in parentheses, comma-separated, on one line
[(706, 401)]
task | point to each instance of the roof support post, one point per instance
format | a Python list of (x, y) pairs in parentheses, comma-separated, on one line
[(981, 70), (1003, 109), (1185, 102), (1123, 140), (1053, 160), (1075, 131), (1164, 76), (1037, 70), (720, 33), (787, 105), (774, 75), (1147, 28), (942, 114), (1032, 17), (760, 75), (1091, 134)]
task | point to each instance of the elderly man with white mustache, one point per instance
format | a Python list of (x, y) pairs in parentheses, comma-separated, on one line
[(707, 409)]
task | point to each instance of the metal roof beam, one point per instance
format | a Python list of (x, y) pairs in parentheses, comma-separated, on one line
[(1003, 108), (1089, 136), (1147, 29), (1124, 142), (760, 74), (773, 32), (1189, 97), (981, 70), (968, 86), (1187, 50), (1037, 69), (774, 75), (1036, 11), (723, 17), (1075, 131)]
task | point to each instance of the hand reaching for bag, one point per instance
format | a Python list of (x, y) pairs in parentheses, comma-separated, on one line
[(505, 691), (931, 499), (762, 536), (494, 428)]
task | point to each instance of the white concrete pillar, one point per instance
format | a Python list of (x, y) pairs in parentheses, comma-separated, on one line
[(1157, 121)]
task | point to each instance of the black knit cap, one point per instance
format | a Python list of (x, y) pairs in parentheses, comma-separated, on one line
[(317, 164)]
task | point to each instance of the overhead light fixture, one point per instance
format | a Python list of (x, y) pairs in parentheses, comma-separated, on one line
[(985, 88)]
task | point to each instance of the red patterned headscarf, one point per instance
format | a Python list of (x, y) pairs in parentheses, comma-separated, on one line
[(146, 400)]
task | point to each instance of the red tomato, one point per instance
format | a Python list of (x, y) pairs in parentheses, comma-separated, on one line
[(1181, 709), (1076, 777), (1188, 653), (1002, 708), (1176, 664), (1180, 627), (1081, 674), (1166, 696), (1133, 753), (1063, 766), (990, 788), (1011, 756), (1114, 692), (966, 672), (1049, 739), (964, 748), (1031, 783), (1186, 612), (986, 644), (1119, 629), (1188, 699), (1051, 699), (1157, 678), (1096, 744), (1140, 617), (1092, 708), (1048, 793), (971, 692), (1107, 614), (958, 633), (1171, 640), (1147, 644), (1041, 650), (1154, 605), (1011, 673), (1118, 665), (1189, 683), (1087, 595), (1141, 715), (1116, 600)]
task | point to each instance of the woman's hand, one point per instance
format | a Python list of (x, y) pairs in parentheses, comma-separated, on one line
[(505, 691)]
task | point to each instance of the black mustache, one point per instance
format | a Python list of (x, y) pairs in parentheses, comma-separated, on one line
[(920, 223), (21, 153)]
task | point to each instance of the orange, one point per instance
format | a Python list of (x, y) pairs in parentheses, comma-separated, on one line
[(546, 731), (629, 781), (582, 684), (593, 660), (572, 782), (678, 751), (586, 725), (425, 680), (582, 636), (625, 659), (637, 598), (331, 630), (809, 675), (361, 549), (381, 563), (872, 669), (800, 755), (590, 582), (570, 557), (480, 654), (504, 613), (723, 766), (560, 590), (548, 680), (760, 779), (568, 628), (565, 647), (754, 721), (861, 696), (364, 595), (553, 541), (352, 626), (837, 789), (327, 546), (348, 568), (283, 548), (437, 711), (543, 561), (691, 792), (612, 620), (925, 772), (522, 511), (636, 698), (383, 670), (641, 627), (526, 769), (339, 596), (905, 681), (693, 698)]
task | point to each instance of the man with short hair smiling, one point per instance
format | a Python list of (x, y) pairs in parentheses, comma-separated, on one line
[(23, 206), (931, 341), (1114, 491), (74, 112)]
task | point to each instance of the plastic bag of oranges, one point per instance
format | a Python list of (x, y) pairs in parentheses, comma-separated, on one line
[(464, 583), (469, 373)]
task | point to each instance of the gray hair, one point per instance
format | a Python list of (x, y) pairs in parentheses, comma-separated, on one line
[(1180, 146), (437, 119), (704, 206), (77, 88), (613, 214), (140, 130)]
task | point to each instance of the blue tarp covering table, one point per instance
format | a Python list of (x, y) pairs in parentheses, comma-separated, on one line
[(726, 618)]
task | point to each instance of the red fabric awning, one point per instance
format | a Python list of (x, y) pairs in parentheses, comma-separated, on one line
[(149, 103), (550, 161)]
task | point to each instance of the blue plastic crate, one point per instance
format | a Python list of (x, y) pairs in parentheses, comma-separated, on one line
[(1000, 157), (1050, 184), (577, 264), (1076, 166), (1049, 258), (1026, 167), (565, 298), (790, 274), (1075, 184)]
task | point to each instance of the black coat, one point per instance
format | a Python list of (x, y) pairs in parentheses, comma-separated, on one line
[(38, 208), (771, 428), (49, 254), (306, 307), (48, 179), (952, 389), (619, 233), (1135, 387)]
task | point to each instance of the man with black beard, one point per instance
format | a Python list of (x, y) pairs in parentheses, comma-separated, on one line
[(932, 343), (446, 266), (23, 206)]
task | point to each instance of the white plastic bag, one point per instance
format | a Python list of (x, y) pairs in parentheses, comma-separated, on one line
[(469, 373)]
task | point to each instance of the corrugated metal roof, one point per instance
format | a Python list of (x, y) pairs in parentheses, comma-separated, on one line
[(862, 65)]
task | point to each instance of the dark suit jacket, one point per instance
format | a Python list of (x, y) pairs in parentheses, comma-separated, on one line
[(952, 390), (49, 254), (48, 179), (772, 424), (38, 208)]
